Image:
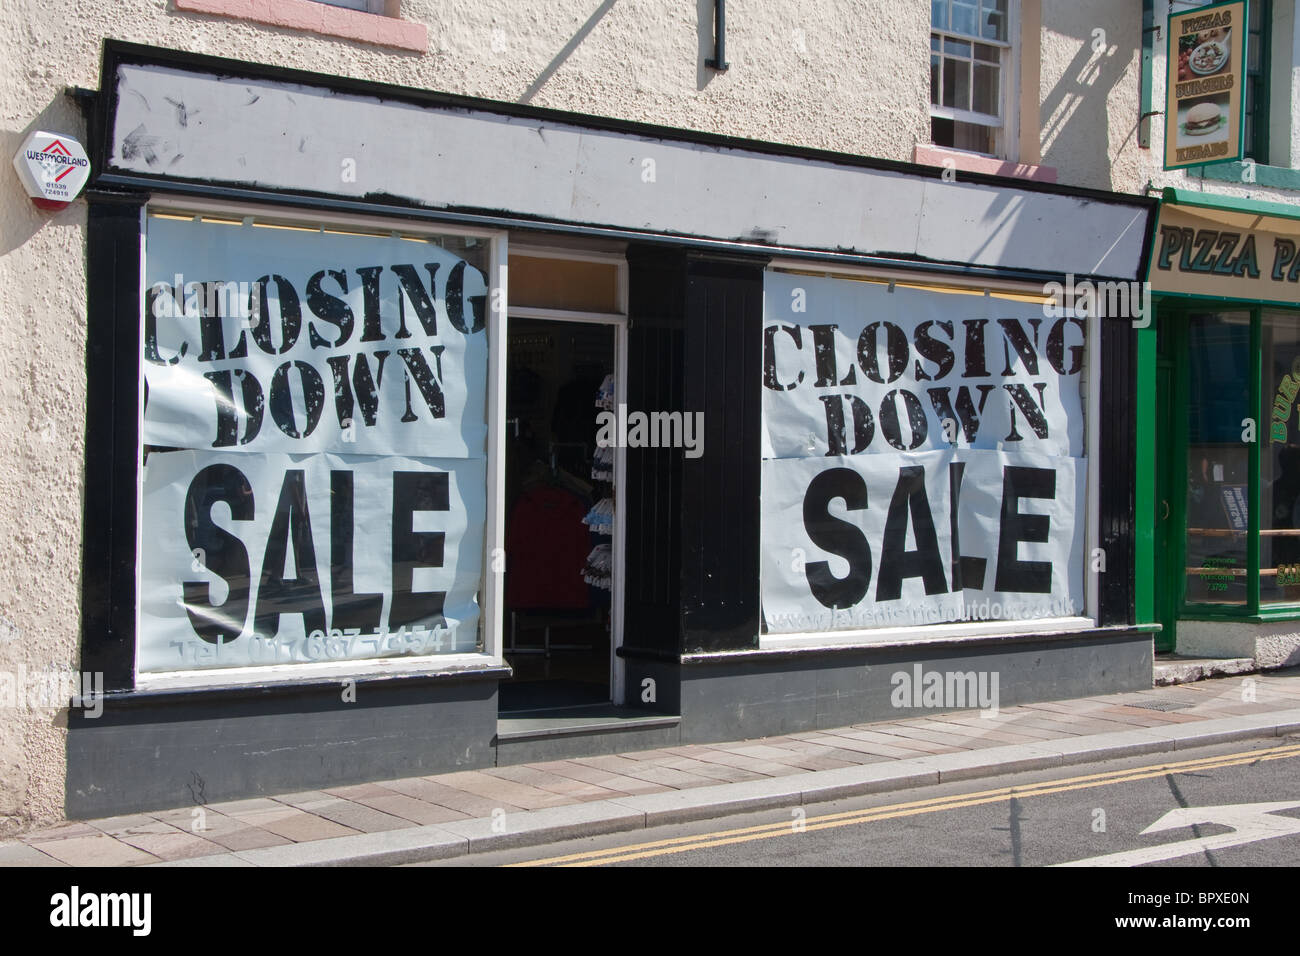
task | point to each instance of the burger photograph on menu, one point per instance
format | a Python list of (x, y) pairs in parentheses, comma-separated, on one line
[(1200, 119)]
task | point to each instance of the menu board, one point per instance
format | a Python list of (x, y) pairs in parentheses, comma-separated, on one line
[(1205, 92)]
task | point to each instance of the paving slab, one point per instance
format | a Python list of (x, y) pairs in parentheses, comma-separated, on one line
[(430, 790), (413, 810), (24, 854), (504, 791), (298, 826), (355, 815), (98, 850), (855, 743), (62, 831), (545, 780), (227, 832), (714, 772), (601, 778)]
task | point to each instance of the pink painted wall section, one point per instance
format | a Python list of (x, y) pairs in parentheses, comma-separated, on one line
[(935, 156), (319, 18)]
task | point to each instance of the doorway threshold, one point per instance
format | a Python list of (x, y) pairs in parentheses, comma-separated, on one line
[(580, 719), (587, 730)]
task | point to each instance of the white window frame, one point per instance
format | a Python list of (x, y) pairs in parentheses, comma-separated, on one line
[(491, 590), (1007, 123)]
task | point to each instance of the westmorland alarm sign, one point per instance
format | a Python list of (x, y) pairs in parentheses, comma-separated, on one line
[(53, 168)]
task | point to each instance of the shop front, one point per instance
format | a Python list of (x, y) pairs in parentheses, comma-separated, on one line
[(1221, 369), (428, 433)]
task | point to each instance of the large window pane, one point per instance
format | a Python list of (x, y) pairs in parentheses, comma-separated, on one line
[(981, 501), (314, 444), (965, 17), (986, 90), (1218, 460), (968, 136), (956, 84), (993, 21), (1279, 461)]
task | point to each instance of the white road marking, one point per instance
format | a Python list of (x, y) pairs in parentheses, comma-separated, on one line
[(1250, 822)]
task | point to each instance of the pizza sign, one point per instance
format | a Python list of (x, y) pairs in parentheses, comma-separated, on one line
[(53, 168)]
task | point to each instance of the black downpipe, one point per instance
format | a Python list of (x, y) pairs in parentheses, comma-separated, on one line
[(719, 60)]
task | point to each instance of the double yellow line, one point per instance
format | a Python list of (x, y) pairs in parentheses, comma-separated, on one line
[(640, 851)]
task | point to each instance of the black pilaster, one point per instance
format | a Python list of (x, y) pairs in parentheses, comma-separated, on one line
[(656, 322), (112, 437), (720, 493), (1116, 471)]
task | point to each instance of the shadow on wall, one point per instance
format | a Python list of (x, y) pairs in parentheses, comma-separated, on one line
[(567, 51), (704, 31), (23, 219), (1074, 120)]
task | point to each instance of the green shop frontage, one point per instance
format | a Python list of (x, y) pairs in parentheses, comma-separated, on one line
[(1218, 440)]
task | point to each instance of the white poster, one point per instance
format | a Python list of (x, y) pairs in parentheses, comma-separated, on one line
[(314, 467), (276, 340), (281, 559), (923, 457)]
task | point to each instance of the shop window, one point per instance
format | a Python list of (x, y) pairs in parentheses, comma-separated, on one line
[(1218, 460), (1241, 551), (924, 460), (970, 57), (1279, 489), (313, 456)]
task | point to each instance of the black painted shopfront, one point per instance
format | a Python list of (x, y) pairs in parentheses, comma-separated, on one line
[(708, 578)]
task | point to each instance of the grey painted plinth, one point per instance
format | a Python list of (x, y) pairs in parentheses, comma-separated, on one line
[(187, 749), (743, 696)]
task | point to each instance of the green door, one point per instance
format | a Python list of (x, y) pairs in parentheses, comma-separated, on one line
[(1167, 540)]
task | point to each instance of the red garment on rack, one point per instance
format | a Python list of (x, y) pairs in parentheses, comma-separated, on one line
[(546, 547)]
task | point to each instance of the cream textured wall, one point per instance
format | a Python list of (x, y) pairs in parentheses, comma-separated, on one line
[(1089, 88), (1090, 100), (839, 75), (42, 402)]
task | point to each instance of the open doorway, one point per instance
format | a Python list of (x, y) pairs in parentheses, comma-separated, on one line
[(559, 532)]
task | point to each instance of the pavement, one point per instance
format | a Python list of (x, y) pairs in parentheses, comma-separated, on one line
[(455, 814)]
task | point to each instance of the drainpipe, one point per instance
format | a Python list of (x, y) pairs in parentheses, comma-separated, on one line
[(1146, 112), (719, 60)]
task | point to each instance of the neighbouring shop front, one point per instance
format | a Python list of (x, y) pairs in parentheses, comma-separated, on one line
[(1221, 372), (429, 433)]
